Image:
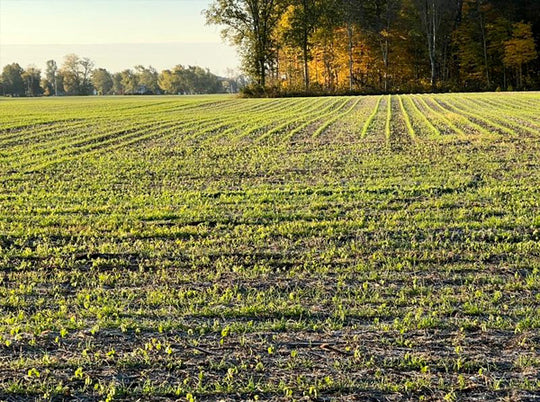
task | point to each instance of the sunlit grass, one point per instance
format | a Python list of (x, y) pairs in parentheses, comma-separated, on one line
[(212, 247)]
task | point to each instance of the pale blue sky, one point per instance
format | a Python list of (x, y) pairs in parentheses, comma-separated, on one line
[(162, 33)]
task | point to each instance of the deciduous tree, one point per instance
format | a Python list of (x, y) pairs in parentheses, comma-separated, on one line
[(102, 81), (129, 82), (520, 49), (302, 18), (32, 78), (76, 74), (12, 80), (71, 72), (250, 25), (147, 79), (51, 75)]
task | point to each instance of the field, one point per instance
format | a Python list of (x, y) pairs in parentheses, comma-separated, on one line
[(213, 248)]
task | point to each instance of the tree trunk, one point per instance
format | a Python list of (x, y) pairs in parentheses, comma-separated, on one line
[(305, 41), (386, 46), (459, 13), (262, 72), (434, 46), (386, 65), (351, 61), (484, 42), (306, 65), (430, 25)]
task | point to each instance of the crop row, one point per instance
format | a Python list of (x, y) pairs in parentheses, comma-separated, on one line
[(203, 248)]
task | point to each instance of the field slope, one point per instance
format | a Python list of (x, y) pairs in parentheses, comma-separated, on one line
[(383, 247)]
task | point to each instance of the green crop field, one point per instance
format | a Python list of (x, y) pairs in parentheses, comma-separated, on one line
[(215, 248)]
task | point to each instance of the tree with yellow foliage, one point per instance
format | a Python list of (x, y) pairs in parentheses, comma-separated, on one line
[(520, 49)]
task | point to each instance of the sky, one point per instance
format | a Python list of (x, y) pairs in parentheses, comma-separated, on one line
[(115, 34)]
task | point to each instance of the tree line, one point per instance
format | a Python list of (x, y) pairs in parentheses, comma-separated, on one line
[(78, 76), (331, 46)]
